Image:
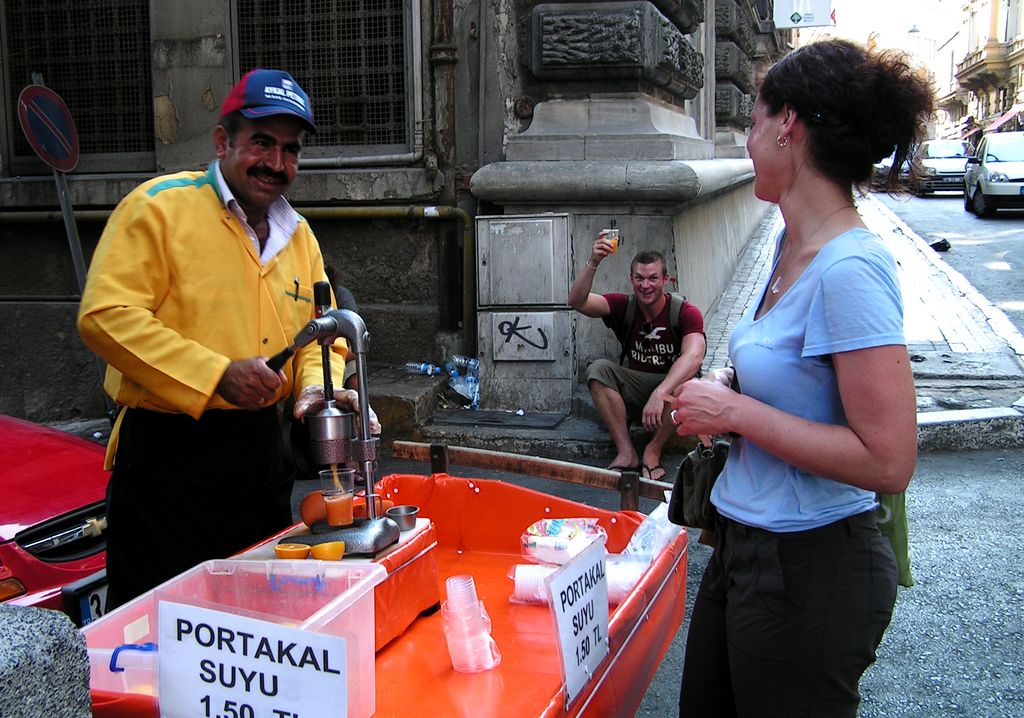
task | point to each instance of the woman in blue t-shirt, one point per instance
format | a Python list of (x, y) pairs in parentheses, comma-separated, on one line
[(801, 585)]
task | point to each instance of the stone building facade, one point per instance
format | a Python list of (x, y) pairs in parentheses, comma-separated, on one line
[(432, 114)]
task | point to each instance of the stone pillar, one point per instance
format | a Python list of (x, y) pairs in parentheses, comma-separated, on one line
[(734, 79), (623, 133)]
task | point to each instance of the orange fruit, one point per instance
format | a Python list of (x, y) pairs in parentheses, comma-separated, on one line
[(328, 550), (313, 508), (291, 550)]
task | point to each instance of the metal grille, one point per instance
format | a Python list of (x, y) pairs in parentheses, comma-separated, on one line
[(95, 55), (349, 57)]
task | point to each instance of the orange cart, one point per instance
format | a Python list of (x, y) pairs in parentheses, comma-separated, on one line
[(473, 526)]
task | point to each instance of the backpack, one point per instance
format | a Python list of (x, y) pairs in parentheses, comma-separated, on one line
[(674, 306)]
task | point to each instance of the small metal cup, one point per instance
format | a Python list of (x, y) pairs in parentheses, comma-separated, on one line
[(404, 516)]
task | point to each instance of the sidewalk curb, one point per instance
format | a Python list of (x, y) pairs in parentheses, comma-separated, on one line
[(969, 429)]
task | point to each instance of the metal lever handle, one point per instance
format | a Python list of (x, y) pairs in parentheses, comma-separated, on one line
[(277, 361)]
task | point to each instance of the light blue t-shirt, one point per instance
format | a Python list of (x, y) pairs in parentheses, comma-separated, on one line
[(847, 298)]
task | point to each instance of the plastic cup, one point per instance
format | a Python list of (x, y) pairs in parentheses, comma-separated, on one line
[(336, 485), (461, 592), (612, 235), (467, 627)]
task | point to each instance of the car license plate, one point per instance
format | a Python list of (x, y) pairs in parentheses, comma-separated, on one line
[(1021, 191), (93, 604), (85, 600)]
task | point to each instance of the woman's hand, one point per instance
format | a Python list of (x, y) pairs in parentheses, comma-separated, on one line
[(701, 405)]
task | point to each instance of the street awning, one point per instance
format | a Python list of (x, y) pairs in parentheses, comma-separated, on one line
[(1004, 118)]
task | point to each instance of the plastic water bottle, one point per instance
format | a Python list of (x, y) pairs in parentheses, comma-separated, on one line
[(461, 385), (415, 367), (465, 373), (470, 367)]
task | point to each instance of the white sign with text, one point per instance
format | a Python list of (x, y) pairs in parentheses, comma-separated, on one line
[(579, 605), (802, 13), (219, 665)]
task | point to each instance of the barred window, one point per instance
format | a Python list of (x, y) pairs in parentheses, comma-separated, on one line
[(350, 58), (95, 55)]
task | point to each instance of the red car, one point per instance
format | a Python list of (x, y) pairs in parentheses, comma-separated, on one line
[(52, 520)]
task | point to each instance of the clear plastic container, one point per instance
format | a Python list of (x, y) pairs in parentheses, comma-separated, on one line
[(467, 628), (324, 597)]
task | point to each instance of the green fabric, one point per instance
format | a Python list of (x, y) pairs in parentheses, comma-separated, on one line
[(892, 522)]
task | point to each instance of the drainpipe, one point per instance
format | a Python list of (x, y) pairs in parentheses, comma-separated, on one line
[(464, 219), (443, 56)]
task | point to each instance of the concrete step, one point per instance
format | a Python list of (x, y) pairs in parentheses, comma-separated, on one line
[(953, 415)]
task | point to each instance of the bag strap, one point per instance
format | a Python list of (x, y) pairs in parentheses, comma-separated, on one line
[(627, 322)]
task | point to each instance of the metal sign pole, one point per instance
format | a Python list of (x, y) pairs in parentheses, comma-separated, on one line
[(72, 229), (50, 130)]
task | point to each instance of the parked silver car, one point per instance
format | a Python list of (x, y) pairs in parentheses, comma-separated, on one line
[(938, 165), (995, 175)]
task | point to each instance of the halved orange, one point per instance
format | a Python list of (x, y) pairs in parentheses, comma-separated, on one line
[(328, 550), (291, 550)]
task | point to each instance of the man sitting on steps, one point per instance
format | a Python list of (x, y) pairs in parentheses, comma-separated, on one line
[(663, 336)]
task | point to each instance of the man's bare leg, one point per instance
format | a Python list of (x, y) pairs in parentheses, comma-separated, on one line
[(612, 409), (652, 452)]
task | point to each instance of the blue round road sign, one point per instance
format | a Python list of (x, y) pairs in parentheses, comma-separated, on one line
[(48, 126)]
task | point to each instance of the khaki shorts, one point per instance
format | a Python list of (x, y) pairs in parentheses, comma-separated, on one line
[(635, 387)]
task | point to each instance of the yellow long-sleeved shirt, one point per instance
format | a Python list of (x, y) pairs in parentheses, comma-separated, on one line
[(176, 292)]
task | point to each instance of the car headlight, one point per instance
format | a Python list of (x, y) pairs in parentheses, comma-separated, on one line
[(930, 171), (998, 177)]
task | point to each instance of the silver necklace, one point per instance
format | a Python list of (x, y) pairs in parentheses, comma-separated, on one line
[(777, 284)]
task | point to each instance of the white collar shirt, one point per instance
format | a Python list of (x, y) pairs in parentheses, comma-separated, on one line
[(281, 220)]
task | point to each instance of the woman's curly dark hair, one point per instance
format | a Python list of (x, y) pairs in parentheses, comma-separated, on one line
[(859, 106)]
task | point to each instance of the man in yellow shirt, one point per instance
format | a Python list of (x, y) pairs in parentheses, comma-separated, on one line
[(197, 279)]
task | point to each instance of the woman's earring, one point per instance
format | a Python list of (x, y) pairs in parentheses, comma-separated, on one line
[(782, 141)]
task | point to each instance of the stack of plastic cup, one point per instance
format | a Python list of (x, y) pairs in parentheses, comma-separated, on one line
[(467, 628)]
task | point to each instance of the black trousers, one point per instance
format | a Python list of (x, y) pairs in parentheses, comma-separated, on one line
[(184, 491), (785, 624)]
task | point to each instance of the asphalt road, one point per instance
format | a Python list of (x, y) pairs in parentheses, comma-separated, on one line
[(955, 647), (988, 252)]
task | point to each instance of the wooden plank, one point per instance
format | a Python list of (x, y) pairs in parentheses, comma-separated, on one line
[(629, 489)]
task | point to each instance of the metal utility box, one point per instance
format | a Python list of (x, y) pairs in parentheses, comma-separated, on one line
[(525, 328), (523, 260)]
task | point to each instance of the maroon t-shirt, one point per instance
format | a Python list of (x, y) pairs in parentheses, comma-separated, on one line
[(651, 346)]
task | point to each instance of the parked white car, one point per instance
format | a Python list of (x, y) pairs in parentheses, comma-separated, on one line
[(938, 165), (995, 175)]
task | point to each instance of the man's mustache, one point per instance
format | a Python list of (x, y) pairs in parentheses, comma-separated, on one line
[(259, 172)]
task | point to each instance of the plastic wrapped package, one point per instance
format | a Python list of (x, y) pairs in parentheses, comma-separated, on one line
[(558, 541), (653, 535)]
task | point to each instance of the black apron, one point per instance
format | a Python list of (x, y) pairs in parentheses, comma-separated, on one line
[(184, 491)]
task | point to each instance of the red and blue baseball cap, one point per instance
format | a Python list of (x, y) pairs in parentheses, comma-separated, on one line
[(264, 93)]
